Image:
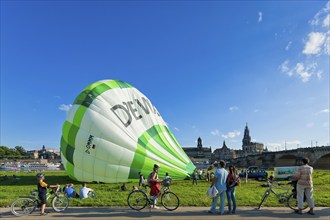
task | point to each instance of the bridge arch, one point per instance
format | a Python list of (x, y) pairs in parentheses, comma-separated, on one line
[(323, 162), (286, 160)]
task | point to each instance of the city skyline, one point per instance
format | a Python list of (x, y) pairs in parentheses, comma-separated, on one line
[(208, 67)]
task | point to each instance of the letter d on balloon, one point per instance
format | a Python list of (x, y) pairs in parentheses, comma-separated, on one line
[(129, 117)]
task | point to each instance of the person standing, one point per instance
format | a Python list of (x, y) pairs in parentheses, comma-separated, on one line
[(232, 181), (195, 176), (304, 186), (42, 192), (207, 175), (141, 181), (220, 177)]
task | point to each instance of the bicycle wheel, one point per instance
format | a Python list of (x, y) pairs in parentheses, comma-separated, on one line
[(293, 203), (23, 206), (265, 196), (170, 201), (137, 200), (60, 203)]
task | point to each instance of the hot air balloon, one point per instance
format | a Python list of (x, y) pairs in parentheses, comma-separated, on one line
[(112, 132)]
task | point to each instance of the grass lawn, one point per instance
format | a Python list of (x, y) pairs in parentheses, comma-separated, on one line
[(109, 194)]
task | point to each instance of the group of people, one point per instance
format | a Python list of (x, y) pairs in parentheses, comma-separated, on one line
[(69, 191), (225, 182)]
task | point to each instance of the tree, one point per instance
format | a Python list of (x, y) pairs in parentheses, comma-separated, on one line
[(20, 149), (6, 152)]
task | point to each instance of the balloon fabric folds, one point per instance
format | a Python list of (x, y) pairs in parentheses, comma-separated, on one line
[(112, 132)]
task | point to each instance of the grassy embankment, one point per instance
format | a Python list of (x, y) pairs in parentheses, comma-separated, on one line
[(248, 194)]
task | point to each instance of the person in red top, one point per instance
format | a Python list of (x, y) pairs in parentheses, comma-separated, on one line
[(154, 185), (42, 192), (231, 182)]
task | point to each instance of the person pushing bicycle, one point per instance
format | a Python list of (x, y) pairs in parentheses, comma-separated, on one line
[(42, 192), (155, 185)]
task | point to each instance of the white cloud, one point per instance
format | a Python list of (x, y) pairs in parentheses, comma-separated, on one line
[(177, 129), (231, 134), (233, 108), (326, 22), (314, 43), (324, 12), (317, 44), (323, 111), (216, 132), (284, 67), (288, 45), (256, 110), (65, 107), (260, 17), (327, 44), (301, 70)]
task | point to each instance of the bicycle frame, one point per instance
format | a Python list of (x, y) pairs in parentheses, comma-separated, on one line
[(281, 197)]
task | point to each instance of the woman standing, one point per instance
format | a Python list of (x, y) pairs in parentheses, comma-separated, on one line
[(232, 181)]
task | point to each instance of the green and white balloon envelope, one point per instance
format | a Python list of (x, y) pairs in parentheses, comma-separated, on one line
[(112, 132)]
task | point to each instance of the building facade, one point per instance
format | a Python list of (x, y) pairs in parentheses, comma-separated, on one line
[(198, 154), (223, 153)]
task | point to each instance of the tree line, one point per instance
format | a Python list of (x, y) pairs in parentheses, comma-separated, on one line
[(17, 152)]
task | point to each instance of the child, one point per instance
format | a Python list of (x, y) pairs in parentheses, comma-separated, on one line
[(167, 180), (141, 181), (42, 192)]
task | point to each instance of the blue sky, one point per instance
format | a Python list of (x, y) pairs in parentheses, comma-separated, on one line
[(209, 67)]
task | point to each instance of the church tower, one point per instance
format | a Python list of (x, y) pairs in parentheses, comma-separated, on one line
[(246, 139), (199, 143)]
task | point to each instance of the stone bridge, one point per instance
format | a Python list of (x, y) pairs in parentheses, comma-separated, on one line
[(319, 158)]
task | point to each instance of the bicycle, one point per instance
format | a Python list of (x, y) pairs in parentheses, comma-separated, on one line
[(25, 205), (288, 198), (138, 199)]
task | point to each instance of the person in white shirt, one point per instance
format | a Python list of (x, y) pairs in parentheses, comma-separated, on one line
[(83, 193)]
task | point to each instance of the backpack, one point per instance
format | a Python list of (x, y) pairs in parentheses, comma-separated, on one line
[(149, 178)]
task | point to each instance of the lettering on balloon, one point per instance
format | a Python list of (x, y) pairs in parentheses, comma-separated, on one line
[(128, 110), (89, 144)]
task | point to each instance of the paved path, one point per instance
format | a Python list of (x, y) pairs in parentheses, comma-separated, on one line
[(191, 213)]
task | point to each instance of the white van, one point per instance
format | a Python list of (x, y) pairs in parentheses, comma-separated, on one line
[(285, 172)]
